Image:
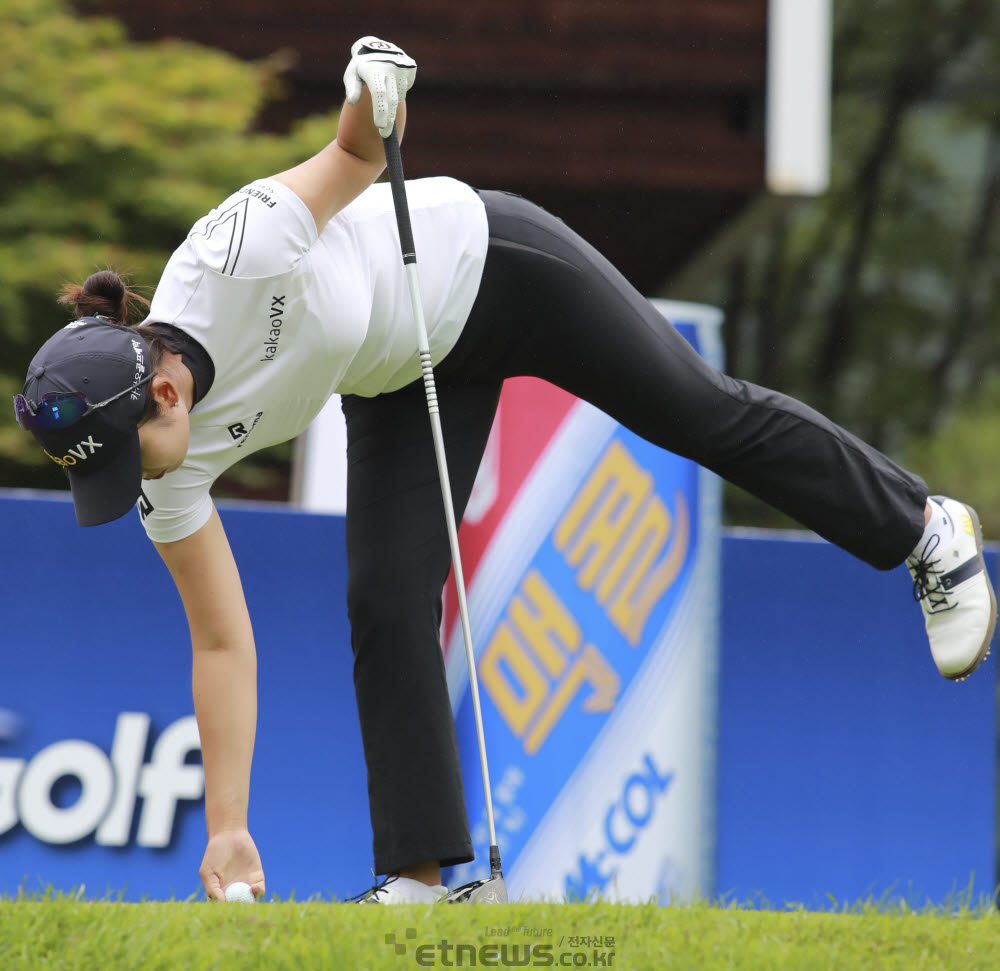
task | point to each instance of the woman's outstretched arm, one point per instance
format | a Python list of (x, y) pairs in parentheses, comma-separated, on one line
[(224, 685), (377, 80)]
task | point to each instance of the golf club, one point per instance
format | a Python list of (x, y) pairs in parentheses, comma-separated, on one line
[(491, 889)]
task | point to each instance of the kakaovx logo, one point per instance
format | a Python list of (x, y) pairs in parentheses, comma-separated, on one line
[(78, 453)]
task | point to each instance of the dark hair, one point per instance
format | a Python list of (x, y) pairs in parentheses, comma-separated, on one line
[(103, 294), (106, 294)]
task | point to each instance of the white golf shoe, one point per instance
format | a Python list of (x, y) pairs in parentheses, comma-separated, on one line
[(402, 890), (951, 584), (491, 890)]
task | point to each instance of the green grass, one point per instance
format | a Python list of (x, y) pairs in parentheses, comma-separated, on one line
[(60, 931)]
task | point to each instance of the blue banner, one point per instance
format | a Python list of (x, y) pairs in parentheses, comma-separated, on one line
[(594, 612)]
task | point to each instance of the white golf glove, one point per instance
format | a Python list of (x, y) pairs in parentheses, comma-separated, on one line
[(387, 71)]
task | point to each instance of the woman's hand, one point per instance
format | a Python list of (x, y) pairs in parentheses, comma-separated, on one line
[(387, 72), (231, 857)]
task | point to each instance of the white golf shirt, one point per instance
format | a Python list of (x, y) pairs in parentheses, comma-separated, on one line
[(290, 316)]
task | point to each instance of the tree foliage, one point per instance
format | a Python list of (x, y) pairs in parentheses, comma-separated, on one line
[(111, 150), (878, 302)]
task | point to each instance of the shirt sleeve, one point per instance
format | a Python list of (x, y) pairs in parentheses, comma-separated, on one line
[(171, 511), (262, 230)]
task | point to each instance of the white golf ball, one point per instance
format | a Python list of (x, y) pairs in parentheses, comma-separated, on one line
[(239, 893)]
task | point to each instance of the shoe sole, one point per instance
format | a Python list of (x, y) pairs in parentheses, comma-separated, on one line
[(984, 651)]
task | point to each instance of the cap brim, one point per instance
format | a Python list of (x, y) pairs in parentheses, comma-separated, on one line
[(109, 493)]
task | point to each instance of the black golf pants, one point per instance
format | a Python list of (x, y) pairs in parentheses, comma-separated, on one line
[(551, 306)]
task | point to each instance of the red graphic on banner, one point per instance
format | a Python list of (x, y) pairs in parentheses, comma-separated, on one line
[(530, 414)]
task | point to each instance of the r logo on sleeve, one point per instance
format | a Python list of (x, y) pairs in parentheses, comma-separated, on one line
[(144, 506)]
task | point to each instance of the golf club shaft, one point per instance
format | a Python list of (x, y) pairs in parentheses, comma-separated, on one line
[(395, 165)]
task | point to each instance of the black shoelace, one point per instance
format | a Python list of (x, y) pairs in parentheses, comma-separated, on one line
[(926, 579), (371, 891)]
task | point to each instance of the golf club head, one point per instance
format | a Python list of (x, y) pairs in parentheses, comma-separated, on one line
[(491, 890)]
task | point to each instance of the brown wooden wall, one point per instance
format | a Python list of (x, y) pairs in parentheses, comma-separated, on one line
[(637, 121)]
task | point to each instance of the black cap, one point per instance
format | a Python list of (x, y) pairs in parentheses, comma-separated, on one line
[(100, 453)]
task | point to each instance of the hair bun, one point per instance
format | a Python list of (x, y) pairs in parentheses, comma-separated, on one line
[(105, 284), (103, 294)]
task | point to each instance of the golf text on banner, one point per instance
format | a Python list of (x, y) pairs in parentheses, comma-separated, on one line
[(591, 559)]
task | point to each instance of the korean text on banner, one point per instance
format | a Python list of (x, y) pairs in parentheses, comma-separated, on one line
[(592, 559)]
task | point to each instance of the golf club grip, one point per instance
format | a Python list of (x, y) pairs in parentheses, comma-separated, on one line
[(394, 163)]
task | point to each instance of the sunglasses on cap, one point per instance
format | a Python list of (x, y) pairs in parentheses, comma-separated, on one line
[(60, 409)]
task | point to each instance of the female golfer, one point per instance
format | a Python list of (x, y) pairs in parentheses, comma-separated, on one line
[(293, 289)]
